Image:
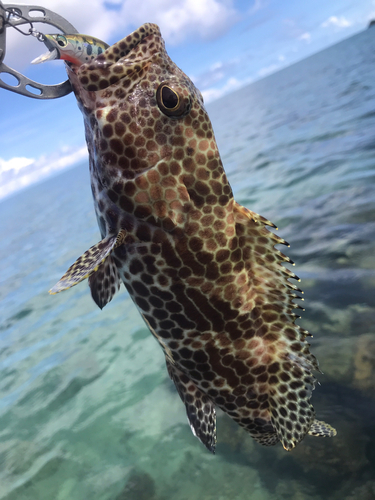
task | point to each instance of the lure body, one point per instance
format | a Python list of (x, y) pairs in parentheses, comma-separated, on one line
[(76, 49), (202, 270)]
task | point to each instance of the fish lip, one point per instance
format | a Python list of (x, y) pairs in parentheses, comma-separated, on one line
[(53, 53), (48, 56)]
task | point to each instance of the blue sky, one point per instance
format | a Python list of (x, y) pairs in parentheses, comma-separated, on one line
[(221, 44)]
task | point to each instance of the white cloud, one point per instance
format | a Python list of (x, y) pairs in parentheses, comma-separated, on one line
[(219, 70), (14, 164), (216, 65), (258, 4), (292, 30), (205, 19), (338, 22), (305, 36), (232, 84), (267, 70), (19, 172)]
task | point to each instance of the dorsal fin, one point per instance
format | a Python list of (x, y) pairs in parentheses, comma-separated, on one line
[(104, 282), (200, 409), (291, 380), (88, 263)]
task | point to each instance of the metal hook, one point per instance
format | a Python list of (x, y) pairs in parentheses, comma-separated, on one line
[(21, 14)]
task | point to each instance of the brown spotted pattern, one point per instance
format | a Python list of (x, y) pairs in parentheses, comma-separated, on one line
[(202, 270), (319, 429)]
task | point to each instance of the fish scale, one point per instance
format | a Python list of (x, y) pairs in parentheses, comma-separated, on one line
[(202, 270)]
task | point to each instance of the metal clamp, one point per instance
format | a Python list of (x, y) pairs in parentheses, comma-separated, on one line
[(13, 15)]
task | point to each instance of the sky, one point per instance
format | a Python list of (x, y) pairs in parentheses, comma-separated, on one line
[(222, 45)]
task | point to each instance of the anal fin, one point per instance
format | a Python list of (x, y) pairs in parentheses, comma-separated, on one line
[(104, 282), (88, 263), (200, 409), (322, 429)]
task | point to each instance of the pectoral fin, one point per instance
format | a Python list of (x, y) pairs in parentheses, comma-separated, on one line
[(105, 282), (88, 263), (199, 408)]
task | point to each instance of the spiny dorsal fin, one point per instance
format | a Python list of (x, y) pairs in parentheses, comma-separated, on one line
[(322, 429), (88, 263), (292, 414), (105, 282), (200, 409)]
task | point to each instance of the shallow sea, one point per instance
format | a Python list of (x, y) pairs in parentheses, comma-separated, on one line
[(87, 410)]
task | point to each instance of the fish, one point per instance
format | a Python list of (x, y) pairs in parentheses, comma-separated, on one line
[(76, 49), (203, 271)]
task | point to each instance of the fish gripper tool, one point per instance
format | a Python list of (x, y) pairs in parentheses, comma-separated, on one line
[(15, 15)]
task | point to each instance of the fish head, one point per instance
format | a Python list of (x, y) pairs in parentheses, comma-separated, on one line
[(142, 114)]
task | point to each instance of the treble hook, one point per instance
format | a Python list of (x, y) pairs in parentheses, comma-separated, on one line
[(14, 15)]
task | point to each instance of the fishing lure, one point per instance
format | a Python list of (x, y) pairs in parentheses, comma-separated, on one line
[(76, 49)]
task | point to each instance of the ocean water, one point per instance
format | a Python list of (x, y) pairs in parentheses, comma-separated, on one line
[(87, 410)]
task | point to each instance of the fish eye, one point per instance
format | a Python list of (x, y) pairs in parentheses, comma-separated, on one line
[(169, 98), (170, 101), (61, 40)]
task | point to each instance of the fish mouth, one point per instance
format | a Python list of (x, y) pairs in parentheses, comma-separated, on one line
[(51, 55)]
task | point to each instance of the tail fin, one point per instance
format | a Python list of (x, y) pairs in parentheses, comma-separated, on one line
[(321, 429)]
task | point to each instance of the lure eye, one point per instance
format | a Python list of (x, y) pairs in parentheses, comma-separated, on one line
[(61, 40), (172, 102)]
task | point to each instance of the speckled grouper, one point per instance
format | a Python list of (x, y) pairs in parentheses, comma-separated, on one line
[(202, 270)]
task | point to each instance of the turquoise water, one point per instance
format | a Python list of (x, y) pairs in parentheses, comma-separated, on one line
[(87, 410)]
